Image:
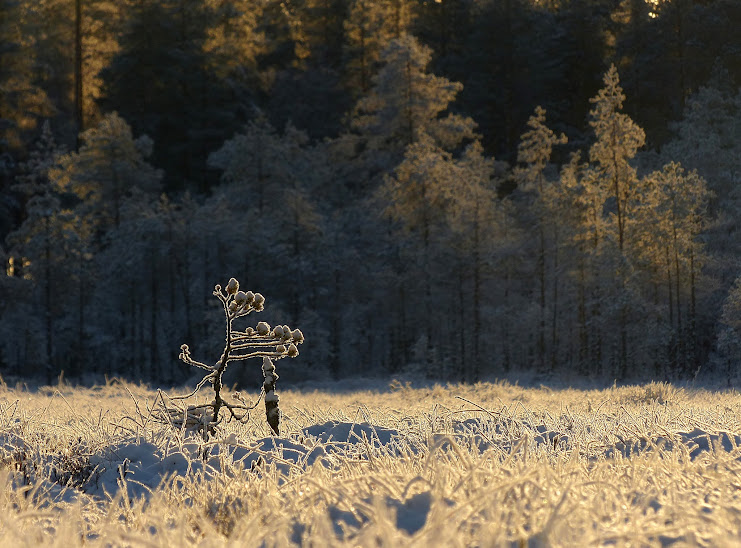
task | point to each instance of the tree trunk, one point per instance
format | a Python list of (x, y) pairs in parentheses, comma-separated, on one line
[(79, 120), (153, 323), (670, 289), (463, 355), (554, 304), (476, 296), (541, 319), (582, 313), (80, 326), (49, 368), (693, 315), (298, 281), (336, 324)]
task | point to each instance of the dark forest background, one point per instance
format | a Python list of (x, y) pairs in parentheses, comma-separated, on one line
[(451, 189)]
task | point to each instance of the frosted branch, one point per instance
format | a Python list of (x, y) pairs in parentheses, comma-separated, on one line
[(273, 355), (185, 357), (204, 380)]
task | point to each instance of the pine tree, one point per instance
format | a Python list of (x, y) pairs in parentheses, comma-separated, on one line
[(517, 54), (273, 179), (671, 217), (728, 343), (23, 103), (402, 121), (474, 216), (161, 82), (234, 41), (583, 220), (256, 160), (443, 203), (101, 24), (533, 155), (271, 344), (369, 27), (418, 196), (322, 24), (109, 165), (405, 103), (618, 139), (44, 241), (708, 139)]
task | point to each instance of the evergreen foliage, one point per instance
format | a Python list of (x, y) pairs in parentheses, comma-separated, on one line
[(384, 171)]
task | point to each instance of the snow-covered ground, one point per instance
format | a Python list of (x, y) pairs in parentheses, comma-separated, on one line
[(492, 464)]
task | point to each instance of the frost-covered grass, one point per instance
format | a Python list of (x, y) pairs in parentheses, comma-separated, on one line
[(484, 465)]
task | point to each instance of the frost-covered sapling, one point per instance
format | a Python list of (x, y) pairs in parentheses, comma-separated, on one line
[(264, 342)]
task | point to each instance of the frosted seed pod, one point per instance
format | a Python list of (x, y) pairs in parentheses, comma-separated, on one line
[(232, 306), (232, 286), (249, 331), (259, 307), (292, 351), (278, 331), (280, 349), (259, 299), (298, 337), (286, 333), (250, 296), (272, 396), (263, 328), (240, 298), (267, 366)]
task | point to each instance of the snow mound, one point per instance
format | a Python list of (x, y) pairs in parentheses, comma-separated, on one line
[(30, 468), (140, 466), (501, 435), (695, 443), (357, 439), (474, 434), (136, 465), (699, 441), (410, 514), (348, 432), (479, 435), (11, 444), (284, 453)]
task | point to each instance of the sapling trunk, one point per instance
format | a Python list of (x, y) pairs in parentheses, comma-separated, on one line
[(271, 398)]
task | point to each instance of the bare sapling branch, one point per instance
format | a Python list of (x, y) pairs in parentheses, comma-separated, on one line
[(269, 343)]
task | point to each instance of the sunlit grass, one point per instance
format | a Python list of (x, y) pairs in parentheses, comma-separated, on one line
[(483, 465)]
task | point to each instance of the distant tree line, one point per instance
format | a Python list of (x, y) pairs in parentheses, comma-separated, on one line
[(455, 189)]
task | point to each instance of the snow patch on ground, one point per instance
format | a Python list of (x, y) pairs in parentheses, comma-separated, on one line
[(694, 443), (410, 514), (136, 467), (140, 466)]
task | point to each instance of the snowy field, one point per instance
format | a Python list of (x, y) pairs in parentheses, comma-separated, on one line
[(484, 465)]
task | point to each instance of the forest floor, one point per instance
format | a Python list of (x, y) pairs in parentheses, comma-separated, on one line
[(458, 465)]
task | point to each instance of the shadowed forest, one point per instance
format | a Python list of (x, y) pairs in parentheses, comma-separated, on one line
[(454, 189)]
